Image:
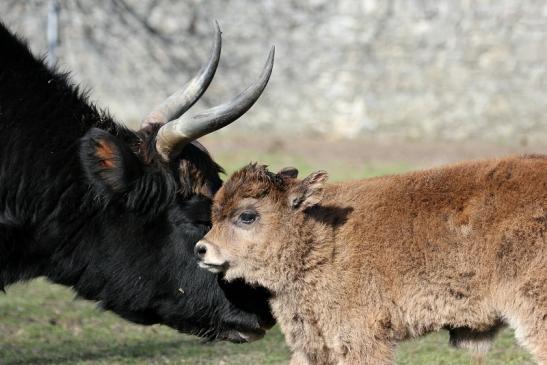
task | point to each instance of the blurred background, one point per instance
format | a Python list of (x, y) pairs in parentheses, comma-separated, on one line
[(360, 88), (435, 70)]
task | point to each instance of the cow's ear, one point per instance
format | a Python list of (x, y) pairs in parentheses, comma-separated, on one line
[(109, 163), (309, 191)]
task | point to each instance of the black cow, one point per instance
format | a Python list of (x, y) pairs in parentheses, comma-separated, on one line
[(111, 212)]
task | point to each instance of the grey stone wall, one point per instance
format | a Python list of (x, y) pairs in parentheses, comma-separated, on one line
[(445, 69)]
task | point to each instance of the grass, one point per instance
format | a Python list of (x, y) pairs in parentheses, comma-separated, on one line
[(42, 323)]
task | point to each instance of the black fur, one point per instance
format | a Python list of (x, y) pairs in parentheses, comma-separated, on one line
[(87, 203)]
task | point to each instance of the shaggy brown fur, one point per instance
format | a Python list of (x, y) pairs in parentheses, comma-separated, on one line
[(355, 267)]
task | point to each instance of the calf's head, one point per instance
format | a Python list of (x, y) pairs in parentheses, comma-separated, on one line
[(152, 190), (256, 217)]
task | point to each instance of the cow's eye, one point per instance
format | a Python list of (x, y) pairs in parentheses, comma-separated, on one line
[(247, 217)]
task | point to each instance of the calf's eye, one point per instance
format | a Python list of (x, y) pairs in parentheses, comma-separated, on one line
[(247, 217)]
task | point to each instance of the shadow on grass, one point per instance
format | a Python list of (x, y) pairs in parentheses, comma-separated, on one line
[(68, 352)]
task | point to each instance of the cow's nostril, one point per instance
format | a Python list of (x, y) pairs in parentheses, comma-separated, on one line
[(200, 250)]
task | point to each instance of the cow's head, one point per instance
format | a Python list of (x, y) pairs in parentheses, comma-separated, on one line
[(153, 191)]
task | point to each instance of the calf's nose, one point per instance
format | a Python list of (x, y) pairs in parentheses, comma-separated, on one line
[(200, 250)]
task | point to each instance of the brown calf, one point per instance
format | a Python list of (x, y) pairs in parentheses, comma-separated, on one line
[(355, 267)]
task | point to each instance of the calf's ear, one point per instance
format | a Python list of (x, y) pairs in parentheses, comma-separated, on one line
[(291, 172), (309, 191), (108, 162)]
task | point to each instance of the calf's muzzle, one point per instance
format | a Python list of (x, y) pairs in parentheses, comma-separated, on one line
[(209, 257)]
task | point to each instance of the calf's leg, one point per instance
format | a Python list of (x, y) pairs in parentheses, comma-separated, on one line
[(299, 358), (528, 314), (532, 334), (371, 351)]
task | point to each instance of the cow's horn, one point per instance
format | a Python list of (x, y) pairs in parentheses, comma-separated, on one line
[(173, 136), (175, 105)]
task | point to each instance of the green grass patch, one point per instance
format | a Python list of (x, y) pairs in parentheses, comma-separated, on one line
[(42, 323)]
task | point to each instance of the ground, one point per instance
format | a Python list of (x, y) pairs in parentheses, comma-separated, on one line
[(42, 323)]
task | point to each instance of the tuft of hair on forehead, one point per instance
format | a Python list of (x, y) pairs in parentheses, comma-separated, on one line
[(251, 181), (254, 181)]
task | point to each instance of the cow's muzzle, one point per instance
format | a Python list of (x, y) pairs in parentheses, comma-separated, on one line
[(243, 337)]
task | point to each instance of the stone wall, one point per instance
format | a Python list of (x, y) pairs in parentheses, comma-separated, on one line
[(445, 69)]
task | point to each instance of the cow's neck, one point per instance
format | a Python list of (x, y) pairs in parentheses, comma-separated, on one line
[(30, 248), (46, 215)]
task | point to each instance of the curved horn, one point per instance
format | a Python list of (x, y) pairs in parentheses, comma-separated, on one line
[(173, 136), (175, 105)]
